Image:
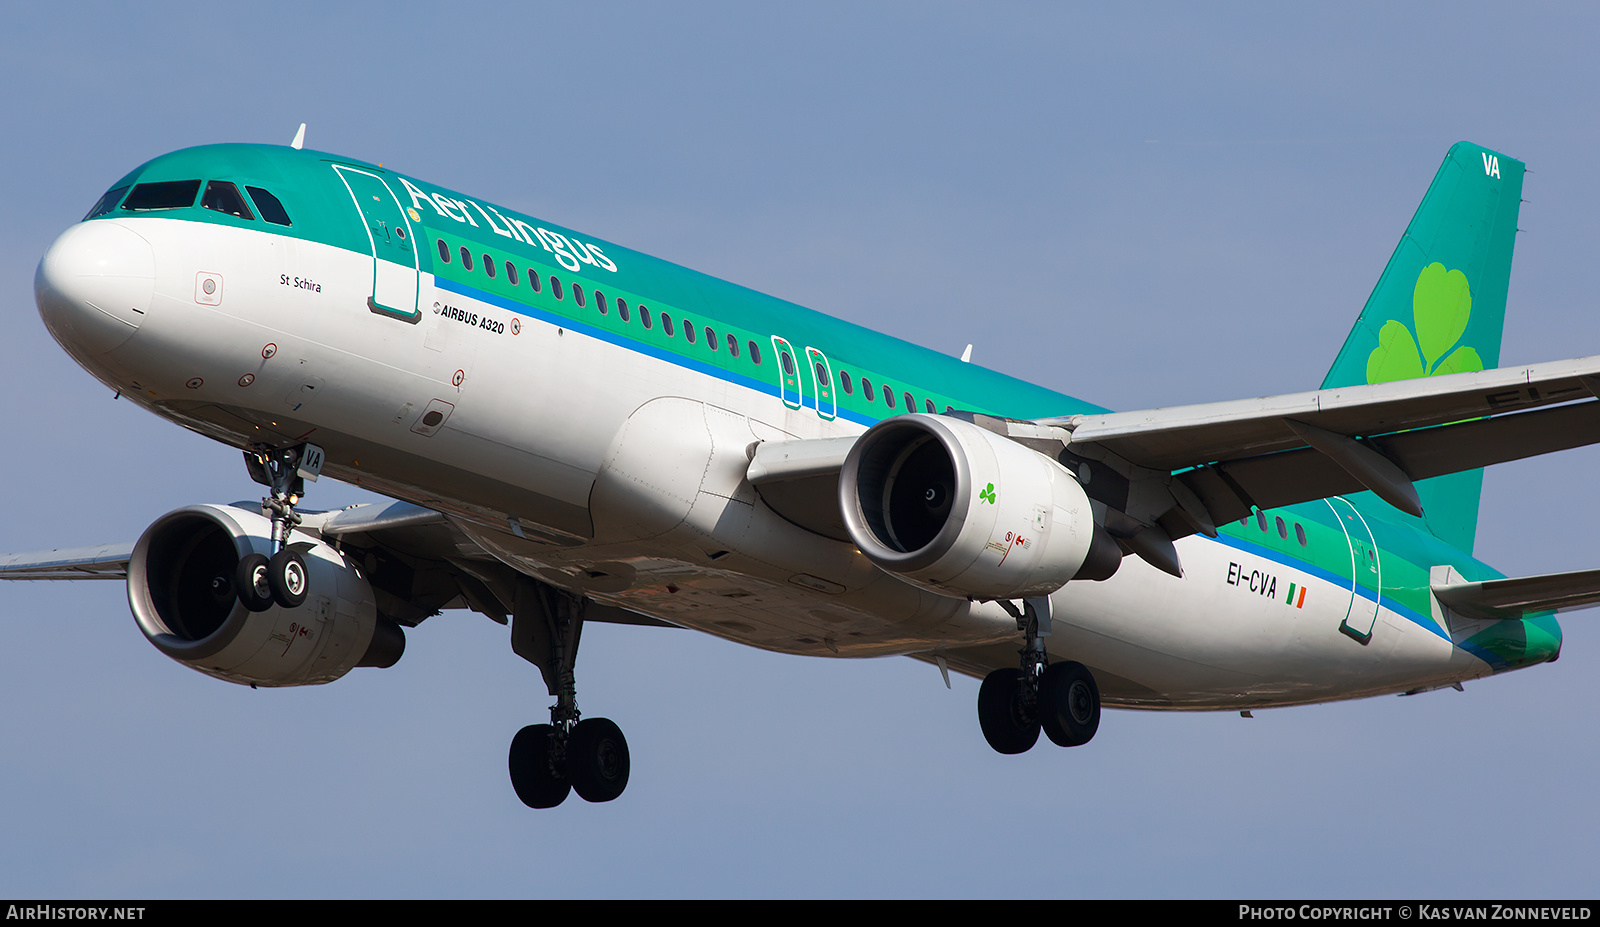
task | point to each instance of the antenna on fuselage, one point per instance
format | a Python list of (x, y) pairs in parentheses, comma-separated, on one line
[(299, 138), (966, 356)]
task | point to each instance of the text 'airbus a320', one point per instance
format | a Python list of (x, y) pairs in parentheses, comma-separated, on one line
[(764, 473)]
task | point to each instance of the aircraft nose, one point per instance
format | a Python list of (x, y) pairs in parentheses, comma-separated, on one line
[(94, 286)]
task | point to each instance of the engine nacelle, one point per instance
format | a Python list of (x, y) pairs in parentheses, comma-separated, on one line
[(181, 589), (965, 512)]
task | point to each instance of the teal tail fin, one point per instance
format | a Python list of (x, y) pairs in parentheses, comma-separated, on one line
[(1440, 307)]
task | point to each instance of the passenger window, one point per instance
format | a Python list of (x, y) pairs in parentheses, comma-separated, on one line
[(577, 294), (533, 279), (788, 365), (222, 196), (466, 258), (844, 381), (888, 395), (666, 324), (688, 330), (928, 404), (644, 313), (821, 372), (911, 403), (949, 409), (866, 389), (444, 252), (755, 352), (733, 346), (1283, 530), (488, 266), (1300, 534), (511, 273), (1261, 520), (106, 203), (600, 303), (711, 338), (169, 194), (268, 206), (555, 286)]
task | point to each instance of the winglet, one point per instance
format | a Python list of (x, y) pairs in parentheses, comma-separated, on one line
[(299, 138)]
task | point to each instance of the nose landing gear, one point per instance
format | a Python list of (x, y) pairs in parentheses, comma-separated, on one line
[(1059, 698), (281, 579)]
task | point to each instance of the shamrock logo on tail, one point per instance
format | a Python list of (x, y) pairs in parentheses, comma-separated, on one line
[(987, 494), (1441, 304)]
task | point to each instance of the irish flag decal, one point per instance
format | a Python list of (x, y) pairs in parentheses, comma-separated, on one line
[(1297, 596)]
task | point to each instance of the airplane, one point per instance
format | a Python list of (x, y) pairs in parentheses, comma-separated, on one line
[(573, 431)]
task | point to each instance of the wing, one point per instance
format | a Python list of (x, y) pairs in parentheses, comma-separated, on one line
[(417, 562), (1280, 450), (108, 561)]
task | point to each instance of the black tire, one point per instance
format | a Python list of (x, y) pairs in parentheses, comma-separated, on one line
[(531, 776), (1069, 704), (287, 575), (597, 760), (1007, 724), (250, 579)]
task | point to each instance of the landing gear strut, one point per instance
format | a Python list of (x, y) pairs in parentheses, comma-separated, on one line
[(588, 756), (281, 579), (1061, 699)]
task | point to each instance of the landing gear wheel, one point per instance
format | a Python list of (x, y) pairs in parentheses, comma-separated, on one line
[(531, 776), (1007, 724), (597, 760), (286, 574), (250, 578), (1069, 704)]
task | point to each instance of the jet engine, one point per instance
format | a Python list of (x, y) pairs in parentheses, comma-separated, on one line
[(965, 512), (182, 588)]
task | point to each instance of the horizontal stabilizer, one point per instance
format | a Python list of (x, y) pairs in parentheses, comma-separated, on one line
[(108, 561), (1522, 595)]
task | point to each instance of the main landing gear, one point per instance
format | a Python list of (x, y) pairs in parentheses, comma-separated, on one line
[(588, 756), (262, 581), (1014, 704)]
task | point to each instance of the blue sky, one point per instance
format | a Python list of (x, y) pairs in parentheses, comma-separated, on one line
[(1142, 206)]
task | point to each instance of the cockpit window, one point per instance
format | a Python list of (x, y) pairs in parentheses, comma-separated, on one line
[(107, 203), (269, 207), (224, 197), (168, 194)]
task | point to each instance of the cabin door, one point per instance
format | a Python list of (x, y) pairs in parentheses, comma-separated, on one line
[(1366, 572), (395, 281)]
